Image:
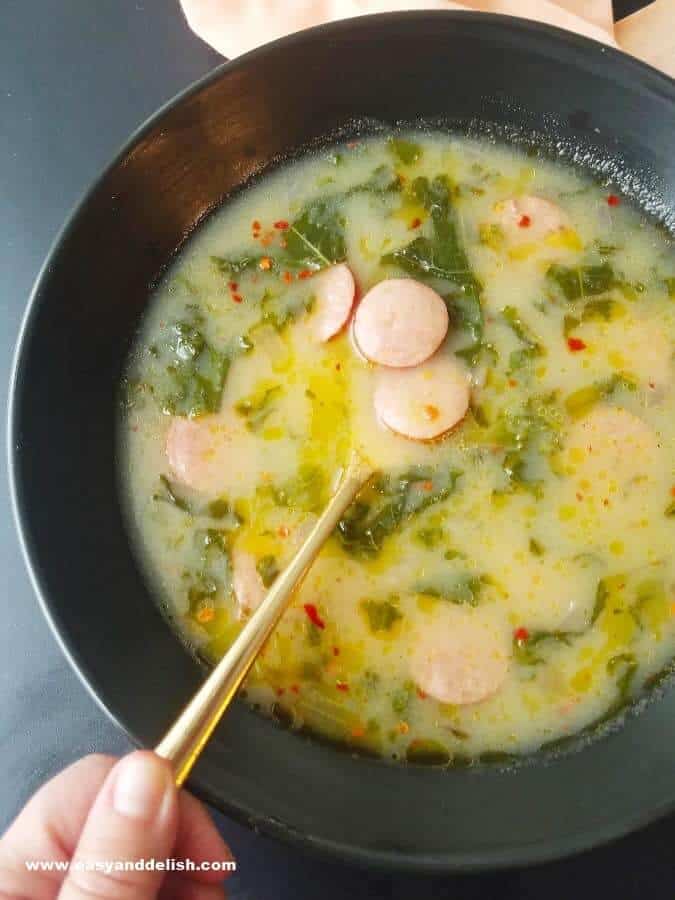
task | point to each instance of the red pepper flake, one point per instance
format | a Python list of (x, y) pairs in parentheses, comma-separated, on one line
[(265, 263), (672, 492), (295, 688), (281, 225), (613, 200), (342, 686), (524, 222), (358, 731), (575, 344), (521, 635), (233, 286), (283, 531), (336, 651), (427, 485), (416, 222), (313, 615), (306, 273), (421, 694), (255, 225), (579, 496), (337, 367), (513, 382), (237, 298), (287, 277), (280, 692)]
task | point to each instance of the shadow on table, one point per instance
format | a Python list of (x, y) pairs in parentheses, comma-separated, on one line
[(268, 869)]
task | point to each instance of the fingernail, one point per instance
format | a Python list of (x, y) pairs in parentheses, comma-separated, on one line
[(141, 784)]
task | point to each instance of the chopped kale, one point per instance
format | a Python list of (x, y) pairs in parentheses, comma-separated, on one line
[(306, 491), (408, 152), (601, 596), (195, 371), (582, 281), (244, 263), (168, 493), (389, 501), (430, 537), (536, 548), (268, 569), (580, 402), (623, 666), (316, 238), (427, 752), (382, 615), (218, 509), (532, 346), (383, 181), (533, 430), (257, 408), (459, 589), (526, 645), (443, 257)]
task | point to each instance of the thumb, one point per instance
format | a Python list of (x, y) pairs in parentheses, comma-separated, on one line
[(134, 817)]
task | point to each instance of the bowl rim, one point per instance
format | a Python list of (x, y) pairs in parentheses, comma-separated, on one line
[(384, 860)]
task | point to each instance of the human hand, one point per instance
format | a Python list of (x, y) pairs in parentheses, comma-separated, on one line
[(102, 810), (232, 27)]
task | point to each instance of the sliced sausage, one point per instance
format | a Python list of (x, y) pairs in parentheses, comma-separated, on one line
[(530, 218), (425, 402), (249, 589), (462, 657), (612, 444), (400, 322), (334, 291), (197, 451), (613, 428), (648, 353)]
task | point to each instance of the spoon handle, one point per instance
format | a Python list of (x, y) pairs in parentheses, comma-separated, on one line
[(186, 738)]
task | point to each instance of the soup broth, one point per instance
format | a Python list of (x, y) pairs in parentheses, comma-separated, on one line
[(494, 331)]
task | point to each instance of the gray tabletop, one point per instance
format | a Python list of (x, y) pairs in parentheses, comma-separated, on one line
[(76, 76)]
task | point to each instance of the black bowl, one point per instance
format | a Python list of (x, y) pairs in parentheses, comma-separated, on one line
[(80, 321)]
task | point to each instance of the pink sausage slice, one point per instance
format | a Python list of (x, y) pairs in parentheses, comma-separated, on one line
[(249, 589), (197, 451), (531, 218), (464, 659), (334, 291), (400, 323), (425, 402)]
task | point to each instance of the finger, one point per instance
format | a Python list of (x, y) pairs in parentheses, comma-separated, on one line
[(178, 888), (48, 829), (134, 817), (198, 840)]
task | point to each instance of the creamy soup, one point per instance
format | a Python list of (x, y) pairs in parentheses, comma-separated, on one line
[(494, 331)]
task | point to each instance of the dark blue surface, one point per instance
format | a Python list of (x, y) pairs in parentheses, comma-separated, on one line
[(76, 77)]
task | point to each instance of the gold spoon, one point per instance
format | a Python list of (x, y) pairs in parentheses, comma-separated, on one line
[(188, 735)]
